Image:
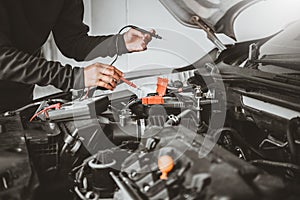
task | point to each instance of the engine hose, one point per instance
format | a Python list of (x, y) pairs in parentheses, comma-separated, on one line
[(236, 136), (90, 195), (291, 132), (132, 103), (79, 194), (94, 165), (276, 164)]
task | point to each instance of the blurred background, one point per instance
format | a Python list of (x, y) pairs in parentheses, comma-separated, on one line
[(181, 45)]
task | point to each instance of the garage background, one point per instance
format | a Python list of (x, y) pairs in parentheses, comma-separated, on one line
[(181, 45)]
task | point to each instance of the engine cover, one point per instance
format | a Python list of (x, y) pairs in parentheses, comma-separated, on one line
[(202, 170)]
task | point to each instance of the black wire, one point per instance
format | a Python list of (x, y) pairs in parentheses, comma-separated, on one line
[(117, 41), (117, 53)]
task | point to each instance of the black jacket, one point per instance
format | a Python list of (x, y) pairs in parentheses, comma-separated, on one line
[(24, 27)]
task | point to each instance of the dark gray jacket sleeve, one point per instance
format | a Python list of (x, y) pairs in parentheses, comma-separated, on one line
[(17, 66), (20, 67), (71, 36)]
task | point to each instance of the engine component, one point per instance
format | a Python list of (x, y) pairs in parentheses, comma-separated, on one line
[(17, 180), (195, 176), (161, 89), (293, 125), (100, 167), (165, 165), (85, 109), (153, 100), (162, 146), (73, 142)]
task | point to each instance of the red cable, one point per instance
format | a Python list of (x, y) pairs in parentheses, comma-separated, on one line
[(54, 106), (87, 93)]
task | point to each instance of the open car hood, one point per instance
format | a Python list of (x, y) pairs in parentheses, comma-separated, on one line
[(214, 15)]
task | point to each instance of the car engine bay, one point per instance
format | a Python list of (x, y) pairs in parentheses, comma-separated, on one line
[(225, 127), (201, 134)]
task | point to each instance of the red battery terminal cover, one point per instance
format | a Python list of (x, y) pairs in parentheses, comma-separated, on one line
[(162, 84), (161, 89), (152, 100)]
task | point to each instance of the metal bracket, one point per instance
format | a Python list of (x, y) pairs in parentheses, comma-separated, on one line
[(196, 20), (253, 52)]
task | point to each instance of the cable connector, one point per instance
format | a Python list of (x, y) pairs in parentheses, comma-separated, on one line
[(146, 32)]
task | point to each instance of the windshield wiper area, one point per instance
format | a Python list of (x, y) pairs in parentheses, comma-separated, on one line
[(290, 61)]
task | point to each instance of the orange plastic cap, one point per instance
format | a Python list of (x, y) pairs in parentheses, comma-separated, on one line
[(165, 165)]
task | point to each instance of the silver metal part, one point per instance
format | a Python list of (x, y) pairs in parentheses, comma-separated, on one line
[(173, 119), (210, 33), (253, 52), (124, 117), (240, 153), (275, 144), (198, 94), (73, 142), (91, 195)]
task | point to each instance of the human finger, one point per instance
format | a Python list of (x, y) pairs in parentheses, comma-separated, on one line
[(104, 85), (135, 32), (107, 79), (110, 71)]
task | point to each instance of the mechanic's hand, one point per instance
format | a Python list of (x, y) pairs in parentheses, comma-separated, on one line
[(136, 40), (102, 75)]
